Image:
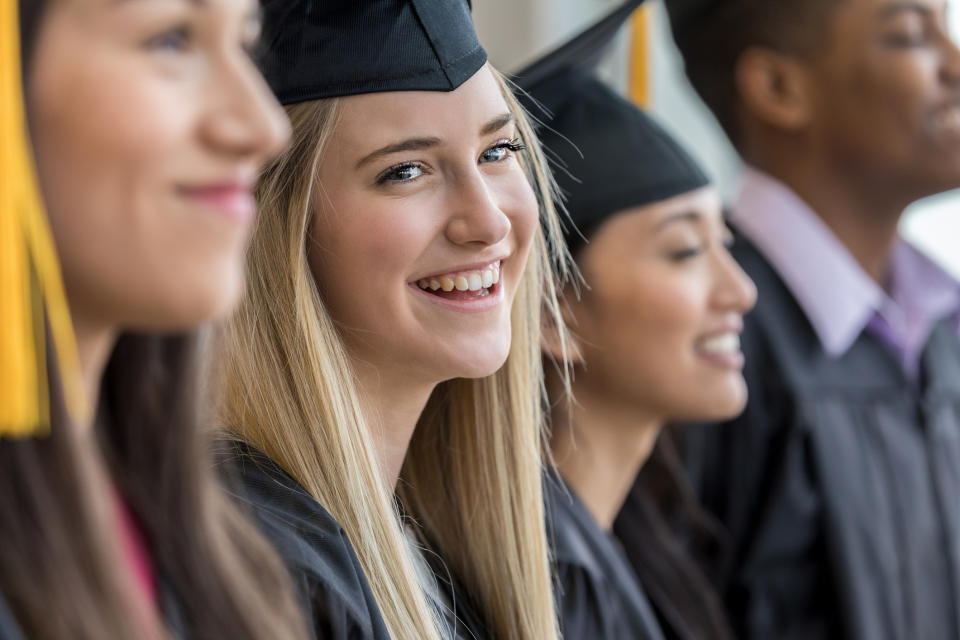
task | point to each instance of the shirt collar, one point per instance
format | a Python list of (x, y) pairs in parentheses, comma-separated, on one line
[(835, 293)]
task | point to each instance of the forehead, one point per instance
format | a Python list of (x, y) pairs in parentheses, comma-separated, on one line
[(880, 10), (132, 6), (372, 120)]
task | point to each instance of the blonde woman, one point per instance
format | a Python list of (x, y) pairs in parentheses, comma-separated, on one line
[(387, 354)]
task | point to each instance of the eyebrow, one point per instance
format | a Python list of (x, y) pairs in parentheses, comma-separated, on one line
[(193, 2), (680, 216), (894, 9), (417, 144)]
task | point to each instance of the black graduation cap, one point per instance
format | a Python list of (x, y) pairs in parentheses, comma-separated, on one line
[(689, 14), (327, 48), (607, 154)]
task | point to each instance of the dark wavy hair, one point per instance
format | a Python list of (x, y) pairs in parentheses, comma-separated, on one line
[(676, 548), (60, 572)]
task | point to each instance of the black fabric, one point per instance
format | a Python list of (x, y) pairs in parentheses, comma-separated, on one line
[(326, 573), (607, 155), (459, 614), (687, 15), (839, 484), (9, 630), (669, 569), (598, 595), (327, 48)]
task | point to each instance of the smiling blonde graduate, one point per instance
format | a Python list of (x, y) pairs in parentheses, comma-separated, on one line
[(383, 379)]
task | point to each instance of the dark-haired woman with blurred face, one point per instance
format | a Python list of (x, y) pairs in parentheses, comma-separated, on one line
[(149, 124), (656, 334)]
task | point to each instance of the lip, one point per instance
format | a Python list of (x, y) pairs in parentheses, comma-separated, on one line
[(476, 266), (232, 199), (480, 305), (727, 361)]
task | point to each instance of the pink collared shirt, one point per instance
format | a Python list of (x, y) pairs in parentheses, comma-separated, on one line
[(838, 297)]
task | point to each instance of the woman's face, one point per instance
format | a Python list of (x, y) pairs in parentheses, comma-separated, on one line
[(421, 230), (149, 124), (659, 324)]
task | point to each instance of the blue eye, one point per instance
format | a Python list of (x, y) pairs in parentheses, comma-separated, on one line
[(502, 150), (401, 173), (172, 40)]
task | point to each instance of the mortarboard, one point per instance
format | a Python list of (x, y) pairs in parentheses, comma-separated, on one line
[(607, 154), (327, 48), (686, 15), (32, 300)]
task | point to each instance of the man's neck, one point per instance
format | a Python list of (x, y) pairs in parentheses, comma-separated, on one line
[(863, 214)]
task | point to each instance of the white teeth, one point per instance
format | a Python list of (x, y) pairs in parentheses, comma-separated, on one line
[(463, 281), (722, 344)]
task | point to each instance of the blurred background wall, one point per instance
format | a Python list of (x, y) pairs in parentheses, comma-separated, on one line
[(516, 32)]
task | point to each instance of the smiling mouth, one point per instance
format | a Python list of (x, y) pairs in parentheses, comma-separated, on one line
[(464, 286)]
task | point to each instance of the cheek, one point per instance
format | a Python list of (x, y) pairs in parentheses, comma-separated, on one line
[(519, 203), (110, 141), (363, 251), (890, 95), (648, 323)]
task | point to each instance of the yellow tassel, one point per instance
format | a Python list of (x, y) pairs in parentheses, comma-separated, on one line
[(31, 288), (639, 83)]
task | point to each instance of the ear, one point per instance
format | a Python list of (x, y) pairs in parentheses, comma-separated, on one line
[(774, 88), (551, 344)]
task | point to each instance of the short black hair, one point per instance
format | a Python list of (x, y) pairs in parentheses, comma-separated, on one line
[(712, 43)]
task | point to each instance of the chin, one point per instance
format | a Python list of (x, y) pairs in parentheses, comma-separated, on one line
[(717, 403), (189, 307), (480, 361)]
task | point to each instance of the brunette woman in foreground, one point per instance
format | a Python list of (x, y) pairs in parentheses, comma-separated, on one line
[(149, 123)]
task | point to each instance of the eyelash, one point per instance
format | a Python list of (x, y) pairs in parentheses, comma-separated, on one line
[(692, 252), (513, 146), (162, 42), (686, 254)]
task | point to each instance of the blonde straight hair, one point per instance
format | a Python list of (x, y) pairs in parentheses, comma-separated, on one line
[(472, 476)]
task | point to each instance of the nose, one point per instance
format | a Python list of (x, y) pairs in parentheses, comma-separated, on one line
[(477, 217), (246, 120), (733, 289), (950, 66)]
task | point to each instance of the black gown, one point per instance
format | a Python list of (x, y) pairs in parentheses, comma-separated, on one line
[(598, 594), (459, 614), (839, 484), (9, 630), (327, 576)]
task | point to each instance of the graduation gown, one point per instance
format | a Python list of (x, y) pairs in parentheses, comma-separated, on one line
[(459, 614), (327, 576), (840, 483), (598, 594), (9, 630)]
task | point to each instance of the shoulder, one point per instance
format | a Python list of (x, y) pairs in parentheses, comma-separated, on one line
[(585, 601), (313, 545)]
